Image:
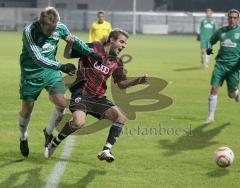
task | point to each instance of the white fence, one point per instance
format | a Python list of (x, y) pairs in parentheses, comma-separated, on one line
[(14, 19)]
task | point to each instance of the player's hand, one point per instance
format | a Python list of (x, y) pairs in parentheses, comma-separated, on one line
[(68, 68), (97, 58), (209, 51), (143, 79), (198, 37), (70, 38)]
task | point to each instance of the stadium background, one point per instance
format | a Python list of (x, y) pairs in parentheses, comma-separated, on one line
[(177, 17)]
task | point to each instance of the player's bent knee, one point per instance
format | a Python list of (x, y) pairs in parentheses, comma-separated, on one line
[(62, 104), (78, 119), (59, 100), (78, 124), (122, 119)]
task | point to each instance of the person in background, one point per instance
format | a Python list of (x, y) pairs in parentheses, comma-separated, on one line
[(207, 28), (99, 30)]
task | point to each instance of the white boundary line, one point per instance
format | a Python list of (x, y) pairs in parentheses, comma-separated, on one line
[(58, 170)]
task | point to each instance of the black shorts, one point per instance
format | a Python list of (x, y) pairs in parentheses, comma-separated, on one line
[(95, 106)]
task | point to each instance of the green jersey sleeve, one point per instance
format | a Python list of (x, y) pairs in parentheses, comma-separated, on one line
[(78, 44), (35, 51), (81, 47), (214, 38)]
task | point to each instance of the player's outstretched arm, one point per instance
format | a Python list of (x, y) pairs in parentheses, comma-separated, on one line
[(128, 83), (70, 52)]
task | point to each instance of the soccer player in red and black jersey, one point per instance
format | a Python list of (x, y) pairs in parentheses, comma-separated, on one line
[(88, 91)]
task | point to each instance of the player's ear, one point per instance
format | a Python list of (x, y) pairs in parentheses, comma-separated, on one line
[(112, 39)]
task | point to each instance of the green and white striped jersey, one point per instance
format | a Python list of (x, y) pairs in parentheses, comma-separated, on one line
[(38, 53)]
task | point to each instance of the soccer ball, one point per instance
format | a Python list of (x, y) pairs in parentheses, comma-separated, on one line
[(224, 157)]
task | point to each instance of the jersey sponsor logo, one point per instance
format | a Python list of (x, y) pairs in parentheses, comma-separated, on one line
[(237, 35), (47, 47), (55, 35), (208, 26), (228, 43), (102, 68)]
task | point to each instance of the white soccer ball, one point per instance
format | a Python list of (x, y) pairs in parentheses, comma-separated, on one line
[(224, 157)]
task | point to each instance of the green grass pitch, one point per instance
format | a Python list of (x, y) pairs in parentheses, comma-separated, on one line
[(179, 155)]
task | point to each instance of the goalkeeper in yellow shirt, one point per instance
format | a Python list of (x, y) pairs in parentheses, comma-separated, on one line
[(99, 30)]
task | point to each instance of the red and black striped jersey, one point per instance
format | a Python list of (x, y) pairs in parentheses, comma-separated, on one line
[(92, 77)]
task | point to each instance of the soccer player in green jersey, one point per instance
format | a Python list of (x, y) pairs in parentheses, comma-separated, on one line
[(207, 28), (227, 61), (40, 69)]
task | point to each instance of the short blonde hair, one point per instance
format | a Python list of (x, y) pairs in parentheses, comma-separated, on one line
[(101, 12), (233, 11), (49, 16)]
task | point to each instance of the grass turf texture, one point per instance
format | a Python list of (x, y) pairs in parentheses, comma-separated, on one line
[(180, 155)]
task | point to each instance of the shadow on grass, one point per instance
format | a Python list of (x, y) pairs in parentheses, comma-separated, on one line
[(189, 69), (219, 172), (87, 179), (13, 157), (11, 162), (198, 139), (32, 179)]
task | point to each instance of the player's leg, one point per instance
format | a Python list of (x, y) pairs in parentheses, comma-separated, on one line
[(30, 89), (212, 104), (23, 123), (70, 127), (203, 56), (218, 77), (203, 51), (207, 59), (56, 92), (232, 80), (78, 120), (118, 119)]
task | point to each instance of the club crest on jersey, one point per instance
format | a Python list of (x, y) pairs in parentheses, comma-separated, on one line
[(55, 35), (102, 68), (47, 48), (237, 35)]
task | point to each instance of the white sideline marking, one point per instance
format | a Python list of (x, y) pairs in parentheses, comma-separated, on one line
[(58, 170)]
